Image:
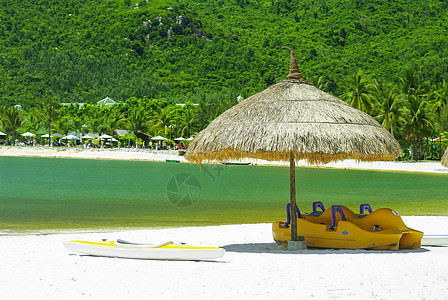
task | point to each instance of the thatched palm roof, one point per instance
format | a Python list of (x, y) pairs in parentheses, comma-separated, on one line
[(293, 115), (444, 160)]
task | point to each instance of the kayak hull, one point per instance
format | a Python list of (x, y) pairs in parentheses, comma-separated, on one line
[(355, 232), (166, 251), (435, 240)]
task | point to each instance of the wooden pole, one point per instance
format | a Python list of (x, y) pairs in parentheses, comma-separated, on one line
[(292, 185)]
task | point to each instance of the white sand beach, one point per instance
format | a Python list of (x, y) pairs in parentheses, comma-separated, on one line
[(254, 267)]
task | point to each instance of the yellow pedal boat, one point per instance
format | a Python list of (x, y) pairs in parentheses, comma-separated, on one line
[(125, 249), (339, 227)]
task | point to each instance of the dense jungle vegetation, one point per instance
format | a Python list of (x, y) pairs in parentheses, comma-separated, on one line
[(388, 58)]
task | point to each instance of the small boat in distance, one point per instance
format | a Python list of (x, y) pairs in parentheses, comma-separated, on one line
[(236, 163), (172, 160), (124, 249)]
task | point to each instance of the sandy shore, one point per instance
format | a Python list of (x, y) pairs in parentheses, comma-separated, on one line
[(153, 155), (254, 267)]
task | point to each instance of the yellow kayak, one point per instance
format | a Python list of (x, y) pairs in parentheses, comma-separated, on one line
[(339, 227), (125, 249)]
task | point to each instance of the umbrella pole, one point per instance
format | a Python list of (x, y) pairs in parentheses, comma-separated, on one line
[(292, 185)]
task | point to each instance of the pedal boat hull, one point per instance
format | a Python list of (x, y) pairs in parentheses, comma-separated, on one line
[(165, 251), (356, 232)]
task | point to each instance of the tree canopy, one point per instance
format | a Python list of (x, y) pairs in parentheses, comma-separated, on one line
[(83, 51)]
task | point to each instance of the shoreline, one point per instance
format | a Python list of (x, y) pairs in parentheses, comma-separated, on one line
[(163, 155), (410, 220)]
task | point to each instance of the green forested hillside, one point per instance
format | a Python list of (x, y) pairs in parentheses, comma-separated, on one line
[(85, 50), (387, 58)]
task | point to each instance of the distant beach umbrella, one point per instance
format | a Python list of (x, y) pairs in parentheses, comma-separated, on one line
[(27, 134), (293, 120), (87, 136), (444, 160), (70, 137), (45, 135), (158, 138), (57, 135), (190, 139), (105, 137), (1, 133), (179, 139)]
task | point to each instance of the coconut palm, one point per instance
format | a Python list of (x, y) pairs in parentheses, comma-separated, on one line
[(77, 123), (12, 120), (318, 81), (409, 83), (162, 119), (358, 95), (33, 122), (388, 105), (418, 122), (439, 97), (136, 120), (95, 125), (2, 108), (186, 120), (65, 124), (50, 112), (109, 125)]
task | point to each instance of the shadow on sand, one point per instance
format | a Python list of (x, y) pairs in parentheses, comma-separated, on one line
[(277, 249)]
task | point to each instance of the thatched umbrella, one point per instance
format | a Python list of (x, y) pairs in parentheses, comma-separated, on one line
[(444, 160), (293, 120)]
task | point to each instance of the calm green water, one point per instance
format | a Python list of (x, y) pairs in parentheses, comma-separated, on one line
[(54, 193)]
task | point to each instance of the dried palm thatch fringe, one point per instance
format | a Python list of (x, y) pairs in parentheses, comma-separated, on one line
[(445, 158), (293, 115)]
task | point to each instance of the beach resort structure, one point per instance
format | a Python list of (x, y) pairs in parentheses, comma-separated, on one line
[(106, 101)]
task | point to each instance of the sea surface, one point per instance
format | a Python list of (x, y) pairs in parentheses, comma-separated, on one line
[(54, 194)]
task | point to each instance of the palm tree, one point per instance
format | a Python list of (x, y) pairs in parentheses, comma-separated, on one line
[(65, 124), (77, 123), (4, 122), (109, 125), (439, 97), (12, 120), (95, 125), (49, 113), (418, 121), (136, 120), (318, 81), (358, 94), (2, 109), (162, 119), (186, 121), (113, 119), (388, 105), (33, 122), (409, 83)]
